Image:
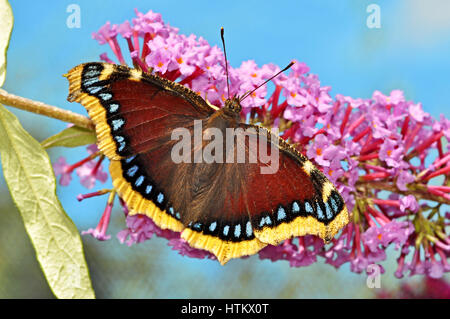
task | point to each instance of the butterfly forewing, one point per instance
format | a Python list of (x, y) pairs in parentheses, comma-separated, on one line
[(133, 111)]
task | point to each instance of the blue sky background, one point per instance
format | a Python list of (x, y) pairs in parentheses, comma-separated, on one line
[(409, 52)]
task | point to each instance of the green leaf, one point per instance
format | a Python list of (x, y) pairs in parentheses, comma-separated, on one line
[(31, 181), (71, 137), (6, 25)]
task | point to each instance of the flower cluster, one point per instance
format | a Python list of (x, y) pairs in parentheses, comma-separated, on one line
[(87, 169), (388, 157)]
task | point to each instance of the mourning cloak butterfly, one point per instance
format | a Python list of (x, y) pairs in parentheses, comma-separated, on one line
[(230, 209)]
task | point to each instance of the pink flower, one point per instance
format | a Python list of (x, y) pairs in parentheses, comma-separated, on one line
[(105, 33), (141, 228), (61, 168), (409, 202), (394, 98), (90, 172), (339, 254), (184, 249), (300, 68), (392, 232), (416, 112), (125, 30), (298, 255), (317, 151), (100, 231), (391, 153), (404, 178), (92, 149)]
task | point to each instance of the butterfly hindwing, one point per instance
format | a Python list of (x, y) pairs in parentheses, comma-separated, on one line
[(300, 200), (246, 206)]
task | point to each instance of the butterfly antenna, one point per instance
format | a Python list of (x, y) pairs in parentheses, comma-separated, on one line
[(248, 93), (226, 60)]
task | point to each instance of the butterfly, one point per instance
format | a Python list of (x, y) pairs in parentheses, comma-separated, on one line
[(228, 208)]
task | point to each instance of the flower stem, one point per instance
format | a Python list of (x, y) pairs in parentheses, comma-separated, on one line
[(45, 109), (419, 191)]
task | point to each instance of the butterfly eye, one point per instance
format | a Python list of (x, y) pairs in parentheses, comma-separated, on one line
[(233, 104)]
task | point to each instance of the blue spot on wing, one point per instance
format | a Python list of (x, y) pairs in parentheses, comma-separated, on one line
[(139, 181), (93, 72), (262, 222), (121, 141), (132, 170), (160, 198), (105, 96), (113, 107), (226, 229), (248, 229), (90, 81), (295, 208), (212, 226), (93, 89), (333, 204), (319, 211), (308, 208), (130, 159), (237, 230), (117, 124), (281, 213), (328, 210)]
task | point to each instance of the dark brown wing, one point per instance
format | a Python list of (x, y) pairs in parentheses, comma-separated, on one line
[(133, 111), (265, 200), (134, 114)]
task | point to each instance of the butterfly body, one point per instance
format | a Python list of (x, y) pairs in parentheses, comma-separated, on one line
[(226, 206)]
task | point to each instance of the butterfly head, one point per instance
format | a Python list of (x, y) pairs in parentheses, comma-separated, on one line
[(233, 104)]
